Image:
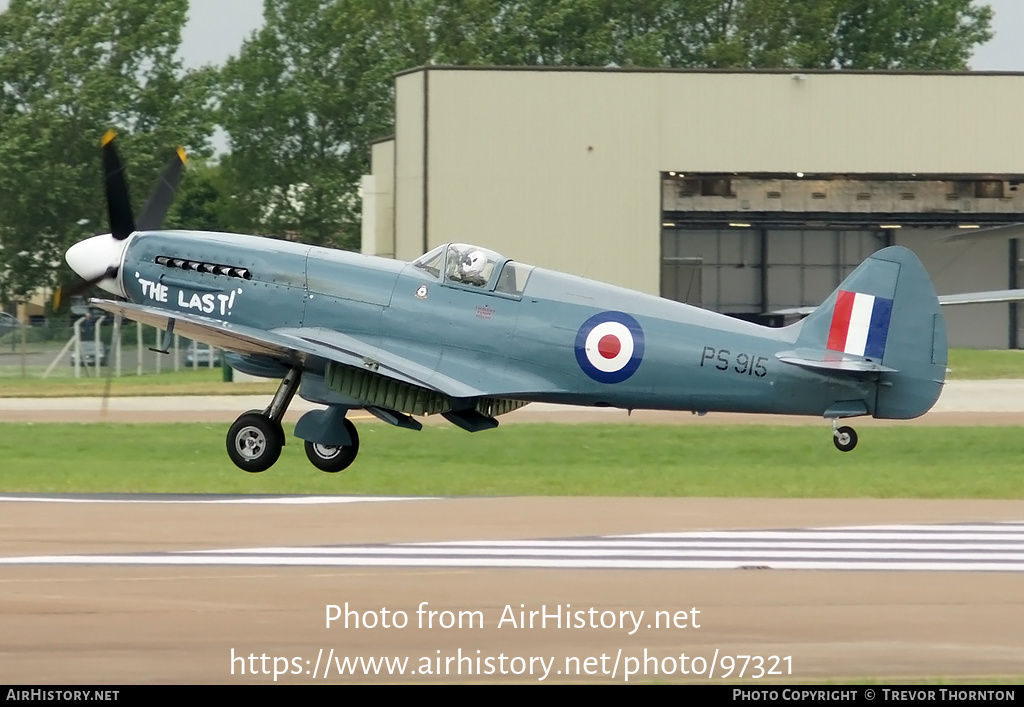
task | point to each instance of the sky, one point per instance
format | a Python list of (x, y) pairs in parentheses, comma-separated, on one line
[(217, 28), (1005, 51)]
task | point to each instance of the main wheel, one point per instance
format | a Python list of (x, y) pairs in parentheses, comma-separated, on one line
[(254, 442), (332, 458), (845, 439)]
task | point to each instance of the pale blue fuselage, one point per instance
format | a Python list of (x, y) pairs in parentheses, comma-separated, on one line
[(520, 347)]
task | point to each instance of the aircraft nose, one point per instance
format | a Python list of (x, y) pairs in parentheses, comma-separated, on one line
[(91, 258)]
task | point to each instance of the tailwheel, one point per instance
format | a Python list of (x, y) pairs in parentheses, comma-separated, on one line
[(334, 458), (845, 438), (254, 442)]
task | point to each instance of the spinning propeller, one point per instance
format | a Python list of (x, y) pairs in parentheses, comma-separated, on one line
[(97, 260)]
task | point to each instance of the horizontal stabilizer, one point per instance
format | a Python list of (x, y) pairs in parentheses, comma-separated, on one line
[(832, 361)]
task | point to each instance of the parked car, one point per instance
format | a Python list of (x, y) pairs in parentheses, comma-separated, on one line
[(77, 311), (89, 352), (202, 355)]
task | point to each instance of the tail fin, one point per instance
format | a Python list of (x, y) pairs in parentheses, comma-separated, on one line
[(886, 312)]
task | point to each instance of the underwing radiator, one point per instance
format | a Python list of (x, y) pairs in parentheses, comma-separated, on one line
[(380, 391)]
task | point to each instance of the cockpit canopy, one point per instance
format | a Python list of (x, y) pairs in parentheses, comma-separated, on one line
[(463, 265)]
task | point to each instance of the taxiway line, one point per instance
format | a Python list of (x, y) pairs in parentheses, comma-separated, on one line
[(828, 550)]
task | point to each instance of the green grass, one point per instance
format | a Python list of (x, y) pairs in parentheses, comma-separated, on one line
[(203, 381), (972, 364), (531, 459)]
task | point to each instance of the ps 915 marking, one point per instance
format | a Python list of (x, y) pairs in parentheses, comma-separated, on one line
[(742, 363)]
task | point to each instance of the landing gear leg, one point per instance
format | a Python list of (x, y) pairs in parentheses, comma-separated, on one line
[(845, 438), (255, 439)]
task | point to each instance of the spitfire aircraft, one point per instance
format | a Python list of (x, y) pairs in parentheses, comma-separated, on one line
[(469, 334)]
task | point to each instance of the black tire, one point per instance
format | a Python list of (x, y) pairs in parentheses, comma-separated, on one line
[(333, 459), (254, 442), (845, 439)]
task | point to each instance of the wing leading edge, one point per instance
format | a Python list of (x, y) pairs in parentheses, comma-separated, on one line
[(986, 297), (295, 346)]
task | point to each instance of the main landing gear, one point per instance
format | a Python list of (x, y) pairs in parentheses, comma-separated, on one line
[(845, 438), (333, 458), (255, 441), (256, 438)]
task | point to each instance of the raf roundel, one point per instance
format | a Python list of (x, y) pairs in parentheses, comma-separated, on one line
[(610, 346)]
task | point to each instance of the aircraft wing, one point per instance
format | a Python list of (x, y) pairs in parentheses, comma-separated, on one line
[(944, 300), (802, 311), (296, 346), (1007, 231), (982, 297)]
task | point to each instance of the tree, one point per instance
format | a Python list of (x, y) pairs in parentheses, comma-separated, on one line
[(200, 200), (70, 70), (824, 34), (309, 92), (297, 108), (909, 34), (740, 34)]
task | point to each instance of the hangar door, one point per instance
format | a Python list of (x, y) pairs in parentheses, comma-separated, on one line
[(752, 271), (752, 244)]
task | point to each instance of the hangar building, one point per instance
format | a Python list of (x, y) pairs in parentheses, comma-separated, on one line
[(742, 192)]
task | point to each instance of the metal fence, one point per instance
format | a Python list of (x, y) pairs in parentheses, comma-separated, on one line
[(88, 346)]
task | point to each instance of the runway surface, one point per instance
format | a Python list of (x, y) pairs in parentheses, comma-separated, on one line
[(109, 605), (963, 547), (999, 402)]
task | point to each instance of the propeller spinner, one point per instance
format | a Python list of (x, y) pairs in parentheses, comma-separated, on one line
[(97, 260)]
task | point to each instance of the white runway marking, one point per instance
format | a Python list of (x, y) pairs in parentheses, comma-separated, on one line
[(979, 547), (253, 500)]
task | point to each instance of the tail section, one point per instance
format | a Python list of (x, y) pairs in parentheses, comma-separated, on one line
[(884, 320)]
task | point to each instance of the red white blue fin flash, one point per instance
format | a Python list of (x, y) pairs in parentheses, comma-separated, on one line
[(860, 324)]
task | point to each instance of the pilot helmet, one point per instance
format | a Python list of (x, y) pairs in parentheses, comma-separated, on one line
[(474, 261)]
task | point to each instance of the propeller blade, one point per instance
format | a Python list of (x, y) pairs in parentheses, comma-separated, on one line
[(119, 203), (153, 213), (60, 295), (115, 343)]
